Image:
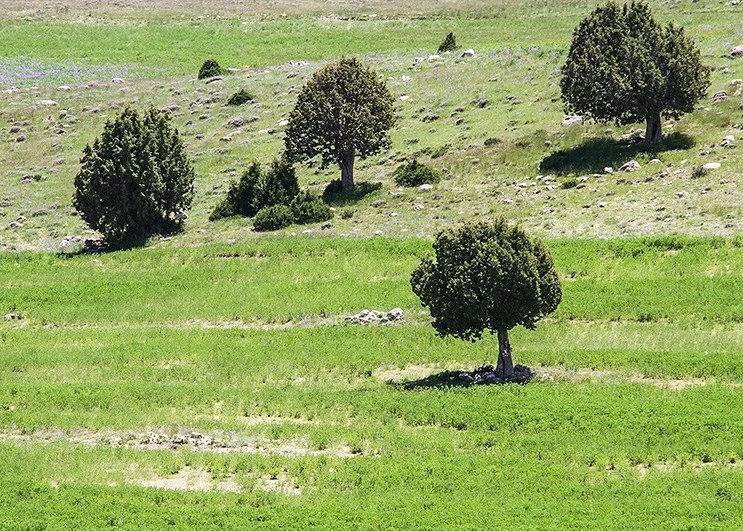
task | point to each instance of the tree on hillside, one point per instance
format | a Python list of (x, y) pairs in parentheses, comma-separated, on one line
[(448, 44), (487, 276), (623, 66), (343, 112), (136, 180)]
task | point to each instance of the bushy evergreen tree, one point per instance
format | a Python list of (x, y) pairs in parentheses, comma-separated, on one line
[(487, 276), (344, 111), (136, 180), (210, 68), (623, 66), (449, 44)]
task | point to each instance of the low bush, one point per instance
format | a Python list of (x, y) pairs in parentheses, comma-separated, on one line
[(414, 174), (308, 208), (210, 68), (240, 97), (449, 44), (274, 217)]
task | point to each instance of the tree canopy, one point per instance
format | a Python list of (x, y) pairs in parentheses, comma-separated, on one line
[(344, 111), (625, 67)]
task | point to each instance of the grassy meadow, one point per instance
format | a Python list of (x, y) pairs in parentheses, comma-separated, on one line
[(210, 380)]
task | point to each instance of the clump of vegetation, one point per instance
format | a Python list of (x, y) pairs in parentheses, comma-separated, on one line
[(258, 189), (344, 111), (346, 213), (569, 183), (415, 173), (210, 68), (492, 141), (449, 43), (623, 66), (306, 207), (136, 180), (274, 217), (487, 276), (240, 97)]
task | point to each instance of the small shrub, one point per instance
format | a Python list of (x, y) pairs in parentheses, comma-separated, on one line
[(569, 183), (440, 151), (308, 208), (273, 218), (698, 172), (449, 44), (493, 141), (240, 97), (414, 174), (210, 68), (346, 213), (258, 189)]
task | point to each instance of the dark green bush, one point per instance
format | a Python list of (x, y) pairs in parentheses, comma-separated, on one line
[(414, 174), (308, 208), (210, 68), (258, 189), (273, 218), (136, 180), (449, 44), (240, 97)]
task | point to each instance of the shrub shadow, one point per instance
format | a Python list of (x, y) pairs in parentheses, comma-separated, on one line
[(593, 155), (481, 376)]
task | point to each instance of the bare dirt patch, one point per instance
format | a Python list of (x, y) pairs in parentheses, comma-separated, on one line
[(278, 484), (186, 440), (189, 479)]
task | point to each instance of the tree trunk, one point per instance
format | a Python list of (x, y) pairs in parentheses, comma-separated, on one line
[(654, 129), (504, 368), (347, 171)]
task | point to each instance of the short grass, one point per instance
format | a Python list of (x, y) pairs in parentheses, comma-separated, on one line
[(205, 338)]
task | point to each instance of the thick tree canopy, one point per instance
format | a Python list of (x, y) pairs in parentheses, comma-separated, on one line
[(625, 67), (487, 276), (344, 111), (136, 180)]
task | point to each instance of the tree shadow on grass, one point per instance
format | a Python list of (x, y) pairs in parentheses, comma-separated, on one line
[(333, 195), (593, 155), (481, 376)]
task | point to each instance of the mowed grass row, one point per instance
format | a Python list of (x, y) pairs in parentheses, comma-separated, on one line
[(178, 46), (279, 280)]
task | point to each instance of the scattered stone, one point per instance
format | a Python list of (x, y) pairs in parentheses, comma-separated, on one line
[(228, 137), (728, 141), (682, 194), (63, 88), (737, 51), (572, 120), (215, 79), (429, 117), (719, 96), (434, 57), (655, 161), (233, 70), (282, 123), (632, 165), (711, 166), (15, 129), (405, 79), (291, 75), (404, 97), (12, 316), (602, 204), (486, 375), (608, 169), (425, 187), (735, 82), (47, 103), (117, 81), (375, 316), (180, 215), (378, 233), (236, 122), (468, 53), (20, 138), (327, 225), (396, 314)]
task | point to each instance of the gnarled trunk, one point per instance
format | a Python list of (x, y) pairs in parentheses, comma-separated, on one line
[(504, 368), (654, 129), (346, 163)]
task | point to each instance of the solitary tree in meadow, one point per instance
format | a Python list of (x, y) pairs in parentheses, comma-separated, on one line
[(625, 67), (487, 276), (343, 112)]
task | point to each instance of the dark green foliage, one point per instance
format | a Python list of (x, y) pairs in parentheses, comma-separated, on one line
[(625, 67), (210, 68), (486, 276), (258, 189), (308, 208), (273, 217), (344, 111), (414, 174), (449, 44), (136, 180), (240, 97)]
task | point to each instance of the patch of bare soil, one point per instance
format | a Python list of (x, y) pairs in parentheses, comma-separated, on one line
[(191, 479), (562, 373), (278, 484), (188, 440)]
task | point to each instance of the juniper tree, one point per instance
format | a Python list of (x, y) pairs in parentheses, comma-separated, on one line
[(487, 276), (625, 67), (449, 43), (343, 112), (136, 180)]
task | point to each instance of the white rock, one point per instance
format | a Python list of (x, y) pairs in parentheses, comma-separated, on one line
[(434, 57), (735, 82), (47, 103), (572, 120), (737, 51), (63, 88), (282, 123), (711, 166), (632, 165), (425, 187), (378, 233), (608, 169), (404, 98), (682, 194), (719, 96), (728, 141), (117, 80), (405, 79), (468, 53), (396, 314), (228, 137)]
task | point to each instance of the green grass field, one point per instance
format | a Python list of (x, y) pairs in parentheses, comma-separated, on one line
[(111, 365)]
